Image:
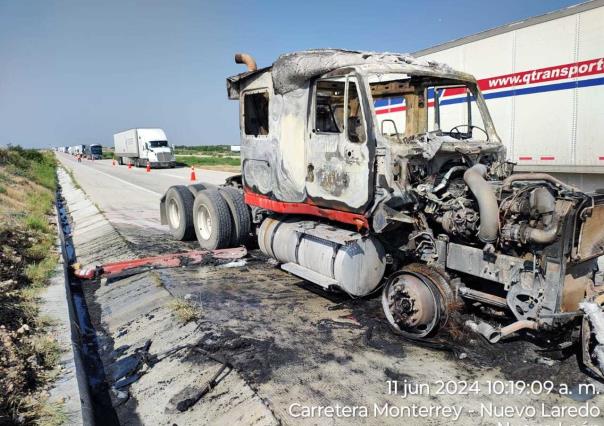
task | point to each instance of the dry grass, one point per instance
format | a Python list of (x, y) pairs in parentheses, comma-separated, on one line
[(29, 356), (185, 311)]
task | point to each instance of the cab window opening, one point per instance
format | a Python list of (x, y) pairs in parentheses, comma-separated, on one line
[(255, 113), (338, 109)]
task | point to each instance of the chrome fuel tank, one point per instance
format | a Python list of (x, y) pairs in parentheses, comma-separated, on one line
[(324, 254)]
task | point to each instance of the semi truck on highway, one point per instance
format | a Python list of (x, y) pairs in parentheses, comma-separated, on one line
[(423, 206), (142, 146), (77, 149), (94, 152), (543, 80)]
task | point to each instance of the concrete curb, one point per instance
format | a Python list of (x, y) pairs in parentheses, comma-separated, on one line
[(71, 387)]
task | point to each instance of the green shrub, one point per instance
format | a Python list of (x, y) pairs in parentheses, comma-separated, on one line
[(36, 223), (30, 163), (193, 160)]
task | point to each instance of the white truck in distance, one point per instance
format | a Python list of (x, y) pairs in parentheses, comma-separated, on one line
[(142, 146), (77, 149)]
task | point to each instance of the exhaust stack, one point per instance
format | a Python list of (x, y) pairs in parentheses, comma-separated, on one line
[(248, 60)]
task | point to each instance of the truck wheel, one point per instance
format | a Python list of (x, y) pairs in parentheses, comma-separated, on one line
[(212, 220), (413, 304), (179, 211), (241, 221), (197, 187)]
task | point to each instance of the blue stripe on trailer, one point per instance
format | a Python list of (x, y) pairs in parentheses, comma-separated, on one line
[(522, 91)]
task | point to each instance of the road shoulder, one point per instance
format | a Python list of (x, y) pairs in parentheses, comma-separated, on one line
[(130, 312)]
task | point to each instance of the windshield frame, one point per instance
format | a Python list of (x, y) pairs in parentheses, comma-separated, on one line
[(150, 144), (371, 78)]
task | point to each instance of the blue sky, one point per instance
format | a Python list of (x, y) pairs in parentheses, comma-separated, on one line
[(78, 71)]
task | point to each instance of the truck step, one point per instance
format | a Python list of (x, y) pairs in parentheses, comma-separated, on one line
[(309, 275)]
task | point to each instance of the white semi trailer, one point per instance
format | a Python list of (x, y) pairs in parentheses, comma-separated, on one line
[(142, 146), (77, 149), (543, 79)]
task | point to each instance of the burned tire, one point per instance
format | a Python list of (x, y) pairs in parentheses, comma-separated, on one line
[(240, 215), (179, 212), (211, 220)]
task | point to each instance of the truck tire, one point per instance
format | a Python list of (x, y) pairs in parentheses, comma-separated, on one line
[(179, 211), (196, 187), (212, 220), (240, 215)]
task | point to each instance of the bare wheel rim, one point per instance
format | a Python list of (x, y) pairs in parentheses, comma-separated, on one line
[(412, 305), (173, 214), (204, 222)]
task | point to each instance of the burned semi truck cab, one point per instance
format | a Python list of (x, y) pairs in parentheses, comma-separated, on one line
[(367, 171)]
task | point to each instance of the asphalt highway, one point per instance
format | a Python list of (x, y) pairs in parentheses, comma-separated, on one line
[(132, 195)]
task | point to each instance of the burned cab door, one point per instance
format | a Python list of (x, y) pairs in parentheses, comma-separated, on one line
[(337, 154)]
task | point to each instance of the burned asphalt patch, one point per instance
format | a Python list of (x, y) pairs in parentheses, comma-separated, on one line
[(265, 307), (283, 336), (253, 358)]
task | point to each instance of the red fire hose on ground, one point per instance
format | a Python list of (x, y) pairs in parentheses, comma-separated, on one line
[(175, 260)]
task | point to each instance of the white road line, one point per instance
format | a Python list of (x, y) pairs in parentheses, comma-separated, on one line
[(129, 183), (176, 176)]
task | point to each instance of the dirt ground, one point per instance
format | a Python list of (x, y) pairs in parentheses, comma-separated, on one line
[(28, 356), (29, 351)]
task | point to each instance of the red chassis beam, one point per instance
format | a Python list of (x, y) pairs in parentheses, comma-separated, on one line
[(265, 202), (165, 261)]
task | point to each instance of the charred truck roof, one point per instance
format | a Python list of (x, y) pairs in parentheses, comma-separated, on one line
[(276, 166), (363, 165)]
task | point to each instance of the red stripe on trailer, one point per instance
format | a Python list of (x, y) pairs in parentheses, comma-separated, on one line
[(388, 110), (541, 75), (525, 158), (601, 158), (454, 91), (265, 202), (547, 158)]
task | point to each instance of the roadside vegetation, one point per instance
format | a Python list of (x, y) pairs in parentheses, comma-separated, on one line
[(217, 157), (211, 150), (29, 355)]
